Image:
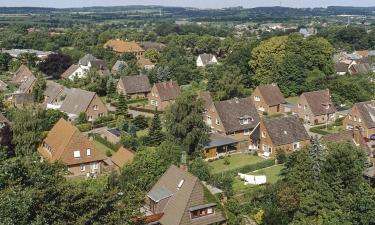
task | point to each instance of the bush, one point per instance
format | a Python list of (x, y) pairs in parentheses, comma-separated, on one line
[(104, 119), (280, 156), (108, 153), (84, 127), (130, 142), (141, 122), (199, 168), (226, 161)]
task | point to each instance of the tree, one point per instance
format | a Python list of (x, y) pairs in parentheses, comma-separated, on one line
[(199, 168), (140, 122), (122, 107), (55, 65), (280, 156), (82, 118), (152, 54), (28, 59), (317, 157), (39, 88), (111, 86), (184, 123), (27, 128), (155, 134), (5, 60)]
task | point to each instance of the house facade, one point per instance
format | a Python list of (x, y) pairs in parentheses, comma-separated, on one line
[(134, 87), (315, 107), (85, 64), (164, 94), (206, 59), (287, 133), (268, 99), (178, 198), (21, 75), (65, 143), (362, 116)]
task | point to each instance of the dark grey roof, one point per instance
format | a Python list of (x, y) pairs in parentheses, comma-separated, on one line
[(68, 72), (204, 206), (23, 99), (159, 194), (77, 101), (206, 58), (27, 84), (285, 130), (231, 111), (115, 132), (98, 64), (136, 84), (118, 65), (367, 111), (341, 67), (84, 61), (155, 45), (53, 90), (217, 140), (320, 102)]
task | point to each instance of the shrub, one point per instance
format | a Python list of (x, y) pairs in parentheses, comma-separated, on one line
[(226, 161), (280, 156), (108, 153), (141, 122), (199, 168), (84, 127)]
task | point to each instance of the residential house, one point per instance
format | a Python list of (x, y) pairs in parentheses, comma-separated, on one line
[(362, 116), (341, 68), (286, 133), (163, 94), (21, 75), (121, 47), (152, 45), (354, 137), (219, 145), (54, 94), (145, 64), (268, 99), (315, 107), (360, 66), (81, 101), (21, 100), (134, 86), (235, 118), (85, 64), (178, 198), (5, 131), (206, 59), (118, 66), (112, 135), (122, 157), (27, 86), (363, 53), (66, 144), (3, 86)]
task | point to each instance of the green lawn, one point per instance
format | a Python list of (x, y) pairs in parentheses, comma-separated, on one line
[(292, 100), (236, 161), (272, 173), (102, 148)]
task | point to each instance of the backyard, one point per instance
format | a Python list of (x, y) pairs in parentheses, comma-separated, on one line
[(235, 161), (102, 148)]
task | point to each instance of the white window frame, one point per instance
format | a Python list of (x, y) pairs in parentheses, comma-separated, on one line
[(246, 132), (296, 145), (82, 167), (77, 154), (264, 134), (88, 152), (217, 121), (96, 107), (257, 98)]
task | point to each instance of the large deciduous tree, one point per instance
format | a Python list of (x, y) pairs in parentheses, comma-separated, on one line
[(55, 65)]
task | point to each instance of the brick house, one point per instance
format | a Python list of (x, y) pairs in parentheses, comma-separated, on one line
[(268, 99), (27, 86), (315, 107), (121, 47), (65, 143), (163, 94), (178, 198), (235, 118), (286, 133), (362, 116), (21, 75), (78, 101), (134, 86)]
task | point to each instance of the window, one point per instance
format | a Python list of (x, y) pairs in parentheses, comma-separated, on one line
[(217, 121), (299, 105), (261, 108), (100, 115), (307, 117), (96, 107), (350, 117), (359, 120), (88, 152), (77, 154), (256, 98), (210, 210), (267, 148), (82, 167), (246, 132), (89, 118), (305, 107), (94, 166), (244, 121), (296, 146), (355, 118), (263, 134), (154, 102), (201, 212)]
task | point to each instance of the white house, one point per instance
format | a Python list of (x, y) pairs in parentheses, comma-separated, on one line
[(83, 67), (206, 59)]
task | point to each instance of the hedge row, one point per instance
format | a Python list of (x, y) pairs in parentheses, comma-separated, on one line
[(140, 109), (249, 168), (103, 141)]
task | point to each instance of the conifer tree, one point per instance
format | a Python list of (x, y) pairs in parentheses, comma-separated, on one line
[(155, 134), (122, 107), (317, 157)]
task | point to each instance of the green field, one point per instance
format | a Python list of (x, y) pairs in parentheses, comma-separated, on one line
[(236, 161)]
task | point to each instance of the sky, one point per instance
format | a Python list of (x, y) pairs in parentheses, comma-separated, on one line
[(189, 3)]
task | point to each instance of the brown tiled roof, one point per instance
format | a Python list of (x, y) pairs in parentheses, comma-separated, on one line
[(69, 71), (363, 53), (27, 84), (367, 111), (272, 94), (21, 74), (64, 139), (168, 90), (341, 67), (285, 130), (136, 84), (123, 46), (142, 62), (77, 101), (207, 99), (318, 101), (347, 136), (155, 45), (230, 112), (53, 90), (189, 195), (122, 157)]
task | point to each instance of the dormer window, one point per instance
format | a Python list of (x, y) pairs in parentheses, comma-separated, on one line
[(77, 154), (257, 98), (88, 152), (202, 210)]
